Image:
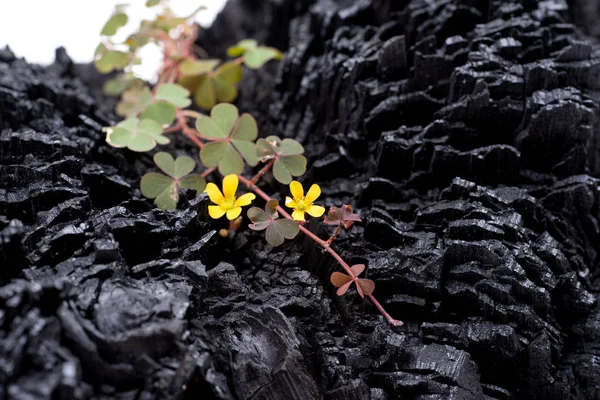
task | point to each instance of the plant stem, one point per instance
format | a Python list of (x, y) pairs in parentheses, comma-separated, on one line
[(324, 245), (193, 138), (168, 42), (193, 134), (171, 76), (174, 128), (187, 131), (262, 172), (192, 113), (188, 44), (208, 172), (337, 231)]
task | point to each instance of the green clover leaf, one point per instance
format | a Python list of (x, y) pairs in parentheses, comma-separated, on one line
[(137, 41), (289, 162), (110, 60), (164, 189), (189, 67), (211, 87), (166, 21), (161, 112), (136, 135), (241, 47), (134, 101), (255, 56), (161, 108), (115, 22), (277, 230), (121, 83), (174, 94), (233, 137)]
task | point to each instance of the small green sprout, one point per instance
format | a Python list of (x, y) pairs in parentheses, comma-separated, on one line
[(364, 287), (304, 204), (164, 189), (232, 138), (136, 135), (277, 230), (255, 56), (211, 87), (285, 154), (226, 203)]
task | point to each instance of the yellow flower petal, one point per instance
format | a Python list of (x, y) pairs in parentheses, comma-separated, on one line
[(215, 212), (316, 211), (244, 199), (214, 193), (298, 215), (297, 190), (234, 213), (230, 184), (313, 193), (290, 203)]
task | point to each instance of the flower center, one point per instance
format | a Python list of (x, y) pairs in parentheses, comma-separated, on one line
[(302, 205), (228, 203)]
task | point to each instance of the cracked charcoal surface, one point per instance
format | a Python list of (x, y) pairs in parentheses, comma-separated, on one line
[(428, 117)]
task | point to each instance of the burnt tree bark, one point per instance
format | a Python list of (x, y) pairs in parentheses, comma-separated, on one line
[(464, 132)]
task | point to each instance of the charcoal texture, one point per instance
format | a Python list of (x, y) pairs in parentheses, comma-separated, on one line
[(463, 132)]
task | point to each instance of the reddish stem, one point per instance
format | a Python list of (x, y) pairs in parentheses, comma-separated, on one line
[(262, 172), (192, 114), (193, 136), (168, 42), (188, 43), (208, 172), (172, 76), (325, 247), (337, 231), (187, 131), (174, 128)]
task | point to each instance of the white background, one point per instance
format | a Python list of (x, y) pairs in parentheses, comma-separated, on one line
[(34, 28)]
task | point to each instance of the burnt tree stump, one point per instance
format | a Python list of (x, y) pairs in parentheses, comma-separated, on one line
[(465, 133)]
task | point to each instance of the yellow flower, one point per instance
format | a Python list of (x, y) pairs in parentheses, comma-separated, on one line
[(226, 203), (301, 203)]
